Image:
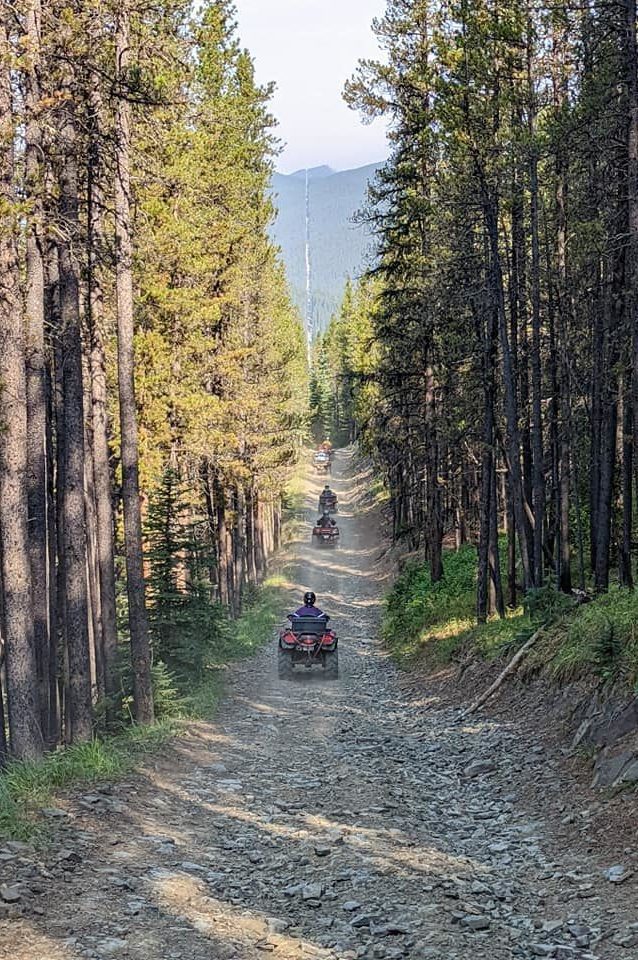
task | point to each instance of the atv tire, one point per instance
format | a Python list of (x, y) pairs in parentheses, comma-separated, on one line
[(284, 665), (331, 668)]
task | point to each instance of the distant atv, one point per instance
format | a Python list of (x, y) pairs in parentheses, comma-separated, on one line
[(325, 536), (322, 462), (328, 502), (308, 642)]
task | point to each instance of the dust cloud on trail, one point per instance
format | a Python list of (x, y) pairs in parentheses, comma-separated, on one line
[(319, 820)]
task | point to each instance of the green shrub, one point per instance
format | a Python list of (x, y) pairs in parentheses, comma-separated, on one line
[(438, 621), (547, 603), (418, 612), (600, 638)]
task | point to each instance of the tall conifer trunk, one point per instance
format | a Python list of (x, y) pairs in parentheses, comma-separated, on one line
[(36, 373), (631, 277), (538, 476), (219, 499), (511, 406), (99, 411), (138, 620), (23, 709), (488, 333), (73, 517), (434, 507), (54, 487), (609, 405)]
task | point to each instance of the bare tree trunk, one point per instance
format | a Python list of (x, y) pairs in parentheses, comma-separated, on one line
[(239, 547), (23, 709), (138, 620), (598, 374), (206, 478), (512, 591), (260, 554), (277, 525), (564, 313), (100, 447), (564, 432), (250, 534), (609, 423), (519, 349), (605, 496), (631, 270), (105, 544), (511, 408), (487, 333), (36, 392), (497, 603), (96, 636), (270, 528), (538, 478), (434, 537), (60, 459), (625, 570), (219, 498), (73, 515), (51, 731), (229, 549)]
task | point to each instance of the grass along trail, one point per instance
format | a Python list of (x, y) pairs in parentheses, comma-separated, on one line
[(319, 820)]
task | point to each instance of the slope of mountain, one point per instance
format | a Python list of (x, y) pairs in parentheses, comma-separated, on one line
[(320, 243)]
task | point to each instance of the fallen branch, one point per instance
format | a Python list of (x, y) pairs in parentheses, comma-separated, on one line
[(502, 677)]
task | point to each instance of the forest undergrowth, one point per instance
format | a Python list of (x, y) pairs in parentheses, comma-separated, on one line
[(435, 624)]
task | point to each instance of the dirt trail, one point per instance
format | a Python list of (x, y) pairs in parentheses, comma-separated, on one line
[(324, 820)]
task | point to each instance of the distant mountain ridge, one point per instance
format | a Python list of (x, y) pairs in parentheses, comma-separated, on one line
[(314, 173), (319, 205)]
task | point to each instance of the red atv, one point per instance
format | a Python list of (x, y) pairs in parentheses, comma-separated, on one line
[(325, 536), (308, 642)]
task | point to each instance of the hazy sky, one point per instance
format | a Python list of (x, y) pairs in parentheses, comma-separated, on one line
[(310, 48)]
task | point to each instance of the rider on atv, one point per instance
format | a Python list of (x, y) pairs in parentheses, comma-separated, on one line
[(327, 499), (325, 520), (309, 609), (308, 642)]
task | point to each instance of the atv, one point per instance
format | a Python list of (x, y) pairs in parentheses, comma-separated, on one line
[(308, 642), (325, 536), (322, 462), (328, 502)]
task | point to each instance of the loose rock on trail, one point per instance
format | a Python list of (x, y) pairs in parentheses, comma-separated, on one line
[(320, 820)]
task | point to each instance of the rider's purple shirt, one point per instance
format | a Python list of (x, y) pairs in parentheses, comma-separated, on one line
[(309, 612)]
